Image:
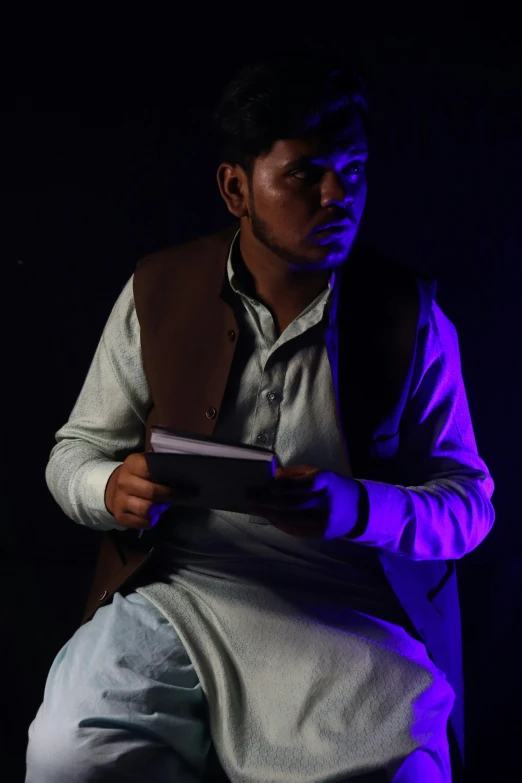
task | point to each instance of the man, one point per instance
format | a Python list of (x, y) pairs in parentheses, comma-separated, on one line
[(315, 638)]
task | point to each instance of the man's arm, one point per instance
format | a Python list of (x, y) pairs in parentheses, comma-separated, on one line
[(445, 511), (106, 424)]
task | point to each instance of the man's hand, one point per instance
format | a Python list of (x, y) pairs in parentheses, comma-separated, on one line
[(134, 500), (307, 502)]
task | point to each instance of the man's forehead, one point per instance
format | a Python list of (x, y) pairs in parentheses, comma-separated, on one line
[(316, 147), (348, 139)]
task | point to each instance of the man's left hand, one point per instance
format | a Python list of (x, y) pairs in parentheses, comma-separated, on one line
[(308, 502)]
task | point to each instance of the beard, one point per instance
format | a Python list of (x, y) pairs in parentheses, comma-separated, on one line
[(264, 234)]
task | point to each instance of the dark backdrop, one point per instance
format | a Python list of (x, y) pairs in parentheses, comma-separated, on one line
[(102, 162)]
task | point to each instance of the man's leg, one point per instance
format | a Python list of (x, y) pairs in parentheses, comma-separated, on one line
[(423, 766), (122, 703), (430, 762)]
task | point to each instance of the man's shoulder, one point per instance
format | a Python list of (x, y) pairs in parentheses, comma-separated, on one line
[(389, 284), (367, 261), (189, 250)]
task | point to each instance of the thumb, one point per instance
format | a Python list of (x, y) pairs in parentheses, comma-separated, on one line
[(296, 471)]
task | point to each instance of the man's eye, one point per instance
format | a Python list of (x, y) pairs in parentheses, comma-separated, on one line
[(305, 173), (355, 169)]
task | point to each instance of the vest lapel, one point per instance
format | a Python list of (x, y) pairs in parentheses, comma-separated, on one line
[(188, 334), (377, 321)]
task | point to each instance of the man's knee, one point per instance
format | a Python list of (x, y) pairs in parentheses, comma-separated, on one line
[(58, 752), (64, 752)]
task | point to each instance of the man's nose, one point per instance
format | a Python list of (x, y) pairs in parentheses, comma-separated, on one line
[(335, 190)]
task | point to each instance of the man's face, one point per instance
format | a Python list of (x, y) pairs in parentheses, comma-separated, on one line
[(302, 185)]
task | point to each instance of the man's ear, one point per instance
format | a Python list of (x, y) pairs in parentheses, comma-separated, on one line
[(233, 186)]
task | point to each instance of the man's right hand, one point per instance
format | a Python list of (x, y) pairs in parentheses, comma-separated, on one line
[(134, 500)]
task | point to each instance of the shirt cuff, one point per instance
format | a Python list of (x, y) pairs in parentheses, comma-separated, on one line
[(95, 483), (380, 505)]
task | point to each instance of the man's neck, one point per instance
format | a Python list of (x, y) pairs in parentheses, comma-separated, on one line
[(264, 276)]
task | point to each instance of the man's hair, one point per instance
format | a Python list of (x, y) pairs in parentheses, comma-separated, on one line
[(284, 97)]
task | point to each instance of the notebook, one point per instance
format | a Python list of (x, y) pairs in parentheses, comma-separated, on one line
[(222, 471)]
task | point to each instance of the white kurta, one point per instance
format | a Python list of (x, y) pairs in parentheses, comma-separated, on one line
[(304, 681), (300, 686)]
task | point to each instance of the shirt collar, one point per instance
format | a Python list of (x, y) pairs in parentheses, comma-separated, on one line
[(330, 300)]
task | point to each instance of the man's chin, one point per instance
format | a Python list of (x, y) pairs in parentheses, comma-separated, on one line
[(328, 254)]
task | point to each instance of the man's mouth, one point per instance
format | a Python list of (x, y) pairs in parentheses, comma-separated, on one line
[(332, 232), (336, 229)]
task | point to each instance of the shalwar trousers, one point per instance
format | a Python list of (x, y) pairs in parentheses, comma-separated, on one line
[(123, 704)]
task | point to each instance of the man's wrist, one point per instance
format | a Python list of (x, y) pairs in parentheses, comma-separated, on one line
[(109, 491), (363, 512)]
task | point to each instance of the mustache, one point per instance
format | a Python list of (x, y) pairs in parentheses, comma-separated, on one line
[(336, 219)]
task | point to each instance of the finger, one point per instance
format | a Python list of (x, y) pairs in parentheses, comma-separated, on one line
[(146, 519), (134, 521), (296, 471), (142, 488), (137, 465), (144, 508), (158, 493)]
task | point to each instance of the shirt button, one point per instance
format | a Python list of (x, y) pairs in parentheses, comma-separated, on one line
[(271, 396), (210, 413), (231, 335), (262, 438)]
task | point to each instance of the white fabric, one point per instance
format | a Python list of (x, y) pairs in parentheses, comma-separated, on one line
[(303, 681), (123, 704)]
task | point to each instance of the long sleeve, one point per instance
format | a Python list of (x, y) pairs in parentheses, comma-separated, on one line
[(445, 511), (106, 424)]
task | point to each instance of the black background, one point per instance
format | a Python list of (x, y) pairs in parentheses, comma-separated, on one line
[(105, 156)]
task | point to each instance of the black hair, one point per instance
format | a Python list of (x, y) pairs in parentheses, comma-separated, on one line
[(283, 97)]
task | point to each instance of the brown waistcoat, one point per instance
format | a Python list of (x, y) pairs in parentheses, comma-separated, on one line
[(188, 337)]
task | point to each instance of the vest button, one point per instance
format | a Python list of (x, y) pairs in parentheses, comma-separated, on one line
[(211, 413), (102, 596), (231, 335)]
